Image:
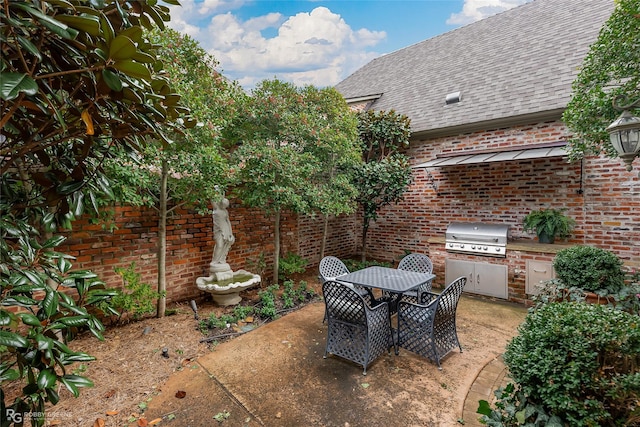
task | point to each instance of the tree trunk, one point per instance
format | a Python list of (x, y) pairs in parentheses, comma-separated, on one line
[(325, 230), (276, 250), (365, 228), (162, 242)]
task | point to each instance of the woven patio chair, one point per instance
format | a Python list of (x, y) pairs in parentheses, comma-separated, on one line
[(420, 263), (331, 268), (430, 329), (355, 331)]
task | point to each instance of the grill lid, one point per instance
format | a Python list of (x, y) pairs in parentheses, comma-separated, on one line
[(478, 232), (477, 238)]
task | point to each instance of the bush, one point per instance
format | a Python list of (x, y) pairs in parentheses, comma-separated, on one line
[(136, 298), (589, 268), (577, 362), (292, 264), (44, 303)]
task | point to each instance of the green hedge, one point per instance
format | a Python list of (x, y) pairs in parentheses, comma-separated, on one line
[(589, 268), (578, 362)]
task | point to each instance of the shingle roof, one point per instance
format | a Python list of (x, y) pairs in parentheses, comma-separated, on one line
[(518, 64)]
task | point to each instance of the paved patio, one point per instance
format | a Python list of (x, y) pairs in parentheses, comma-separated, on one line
[(276, 376)]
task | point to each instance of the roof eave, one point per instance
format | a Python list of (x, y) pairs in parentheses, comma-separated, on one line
[(523, 119)]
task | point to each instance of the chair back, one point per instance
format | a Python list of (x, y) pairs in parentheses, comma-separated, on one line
[(448, 299), (419, 263), (343, 303), (331, 267)]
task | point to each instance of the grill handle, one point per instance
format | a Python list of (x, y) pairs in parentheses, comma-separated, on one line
[(490, 239)]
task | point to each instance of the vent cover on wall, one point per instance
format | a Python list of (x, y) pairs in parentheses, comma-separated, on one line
[(453, 97)]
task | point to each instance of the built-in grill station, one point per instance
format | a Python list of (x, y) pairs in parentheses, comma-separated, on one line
[(477, 238)]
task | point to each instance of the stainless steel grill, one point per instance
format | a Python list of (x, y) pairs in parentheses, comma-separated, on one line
[(477, 238)]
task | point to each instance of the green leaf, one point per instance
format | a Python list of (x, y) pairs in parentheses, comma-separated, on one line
[(122, 47), (54, 241), (134, 33), (30, 47), (112, 80), (133, 69), (11, 339), (73, 321), (7, 318), (47, 379), (15, 83), (484, 408), (9, 375), (29, 319), (19, 300), (72, 382), (67, 188), (88, 23), (50, 303)]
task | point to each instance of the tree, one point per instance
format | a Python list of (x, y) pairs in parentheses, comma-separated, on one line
[(337, 148), (277, 136), (610, 69), (77, 80), (385, 174), (191, 171)]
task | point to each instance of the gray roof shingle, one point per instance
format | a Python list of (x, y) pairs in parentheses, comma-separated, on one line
[(513, 66)]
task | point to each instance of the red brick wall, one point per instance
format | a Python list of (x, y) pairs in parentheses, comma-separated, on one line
[(604, 199), (189, 246), (607, 212)]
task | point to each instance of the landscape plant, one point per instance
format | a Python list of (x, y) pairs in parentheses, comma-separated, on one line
[(77, 80), (277, 140), (571, 364), (548, 224), (192, 170), (134, 298), (609, 70), (589, 268), (292, 264), (385, 174)]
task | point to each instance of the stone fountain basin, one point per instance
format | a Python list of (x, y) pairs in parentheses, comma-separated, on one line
[(227, 292)]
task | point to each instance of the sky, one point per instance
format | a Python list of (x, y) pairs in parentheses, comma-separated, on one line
[(317, 42)]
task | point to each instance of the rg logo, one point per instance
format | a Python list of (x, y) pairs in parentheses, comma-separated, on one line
[(14, 416)]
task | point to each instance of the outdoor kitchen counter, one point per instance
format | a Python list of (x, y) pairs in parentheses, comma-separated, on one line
[(523, 245)]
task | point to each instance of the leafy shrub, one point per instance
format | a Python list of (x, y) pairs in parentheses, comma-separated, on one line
[(291, 264), (268, 302), (43, 305), (136, 298), (590, 268), (574, 361)]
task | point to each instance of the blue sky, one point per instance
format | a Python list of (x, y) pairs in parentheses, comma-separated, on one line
[(317, 42)]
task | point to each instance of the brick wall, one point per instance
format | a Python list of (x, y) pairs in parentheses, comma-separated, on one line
[(604, 199), (189, 246)]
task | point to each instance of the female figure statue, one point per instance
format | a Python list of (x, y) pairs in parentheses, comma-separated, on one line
[(221, 231)]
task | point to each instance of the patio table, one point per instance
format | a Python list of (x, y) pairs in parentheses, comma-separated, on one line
[(392, 280)]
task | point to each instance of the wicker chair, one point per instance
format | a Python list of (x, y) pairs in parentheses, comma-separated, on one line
[(430, 329), (419, 263), (355, 331), (331, 268)]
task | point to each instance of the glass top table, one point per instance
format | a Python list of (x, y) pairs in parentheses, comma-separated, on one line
[(387, 279)]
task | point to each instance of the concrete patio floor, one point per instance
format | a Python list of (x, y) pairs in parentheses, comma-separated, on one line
[(276, 376)]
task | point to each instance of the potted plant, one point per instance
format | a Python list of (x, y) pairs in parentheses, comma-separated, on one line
[(549, 224)]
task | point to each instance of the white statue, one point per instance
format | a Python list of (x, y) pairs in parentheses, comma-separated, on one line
[(221, 231)]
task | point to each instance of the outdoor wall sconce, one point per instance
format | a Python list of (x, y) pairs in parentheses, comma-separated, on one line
[(625, 132)]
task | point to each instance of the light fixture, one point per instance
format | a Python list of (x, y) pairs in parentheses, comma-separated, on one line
[(625, 132)]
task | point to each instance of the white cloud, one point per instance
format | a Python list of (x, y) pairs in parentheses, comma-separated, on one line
[(475, 10), (317, 48)]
